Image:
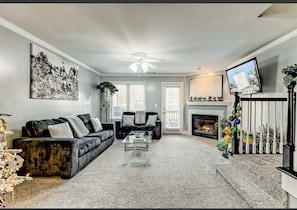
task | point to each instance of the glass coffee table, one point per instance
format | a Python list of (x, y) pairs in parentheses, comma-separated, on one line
[(138, 143)]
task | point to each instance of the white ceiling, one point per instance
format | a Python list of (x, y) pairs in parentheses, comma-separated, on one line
[(187, 36)]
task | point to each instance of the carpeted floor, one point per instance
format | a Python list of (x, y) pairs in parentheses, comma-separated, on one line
[(181, 174)]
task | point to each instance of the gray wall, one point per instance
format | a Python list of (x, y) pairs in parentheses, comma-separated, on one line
[(271, 64), (15, 87)]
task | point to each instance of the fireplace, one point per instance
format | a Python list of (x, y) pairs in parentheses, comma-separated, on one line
[(205, 125)]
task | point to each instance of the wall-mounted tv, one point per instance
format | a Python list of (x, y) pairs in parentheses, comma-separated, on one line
[(244, 78)]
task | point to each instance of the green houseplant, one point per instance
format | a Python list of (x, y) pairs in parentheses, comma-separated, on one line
[(107, 85), (290, 73)]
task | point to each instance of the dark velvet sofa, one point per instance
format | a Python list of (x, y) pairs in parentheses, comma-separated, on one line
[(64, 157), (123, 130)]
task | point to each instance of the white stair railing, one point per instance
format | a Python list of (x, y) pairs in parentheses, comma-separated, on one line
[(259, 123)]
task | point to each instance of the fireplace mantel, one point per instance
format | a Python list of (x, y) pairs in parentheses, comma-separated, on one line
[(209, 103)]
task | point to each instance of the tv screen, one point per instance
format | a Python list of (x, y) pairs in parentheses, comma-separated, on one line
[(244, 78)]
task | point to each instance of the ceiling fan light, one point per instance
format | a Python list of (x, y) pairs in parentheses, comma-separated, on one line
[(144, 67), (133, 66), (142, 62)]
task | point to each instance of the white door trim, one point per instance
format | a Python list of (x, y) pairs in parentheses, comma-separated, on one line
[(178, 84)]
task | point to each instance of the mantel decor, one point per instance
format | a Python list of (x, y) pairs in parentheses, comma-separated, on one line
[(10, 162)]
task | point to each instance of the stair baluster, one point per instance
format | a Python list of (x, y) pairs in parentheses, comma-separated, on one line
[(254, 130), (268, 123), (261, 131), (281, 143), (274, 131)]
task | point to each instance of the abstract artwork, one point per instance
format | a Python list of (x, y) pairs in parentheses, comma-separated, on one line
[(52, 77)]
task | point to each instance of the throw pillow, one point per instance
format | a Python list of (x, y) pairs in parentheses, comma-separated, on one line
[(151, 120), (61, 130), (140, 117), (128, 120), (96, 124)]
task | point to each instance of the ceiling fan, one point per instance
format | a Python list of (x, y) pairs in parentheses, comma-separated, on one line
[(142, 62)]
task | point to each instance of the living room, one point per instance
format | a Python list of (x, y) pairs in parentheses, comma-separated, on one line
[(272, 55)]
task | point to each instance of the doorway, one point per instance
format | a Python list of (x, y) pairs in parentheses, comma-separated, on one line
[(172, 107)]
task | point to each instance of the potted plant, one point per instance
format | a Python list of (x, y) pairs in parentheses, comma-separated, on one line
[(107, 88), (290, 73)]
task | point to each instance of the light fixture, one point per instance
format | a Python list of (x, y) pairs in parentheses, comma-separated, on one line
[(140, 65), (142, 62)]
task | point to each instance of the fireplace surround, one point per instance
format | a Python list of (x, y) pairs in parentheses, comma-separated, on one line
[(216, 108)]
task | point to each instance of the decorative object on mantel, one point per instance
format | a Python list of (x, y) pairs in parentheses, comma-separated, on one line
[(225, 143), (10, 162), (108, 89), (210, 98)]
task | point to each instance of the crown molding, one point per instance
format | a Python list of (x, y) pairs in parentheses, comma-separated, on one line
[(142, 75), (267, 47), (35, 39)]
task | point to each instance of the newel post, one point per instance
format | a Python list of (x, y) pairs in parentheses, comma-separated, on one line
[(235, 141), (289, 148)]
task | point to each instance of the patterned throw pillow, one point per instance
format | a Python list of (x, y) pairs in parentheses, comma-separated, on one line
[(128, 120), (61, 130), (96, 124), (151, 120)]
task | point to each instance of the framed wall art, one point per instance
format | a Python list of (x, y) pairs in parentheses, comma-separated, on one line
[(52, 77)]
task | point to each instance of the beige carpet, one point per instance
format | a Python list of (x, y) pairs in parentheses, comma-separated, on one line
[(181, 174)]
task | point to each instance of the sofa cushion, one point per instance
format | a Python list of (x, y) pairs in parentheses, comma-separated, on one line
[(145, 127), (96, 124), (151, 113), (61, 130), (128, 120), (128, 128), (39, 128), (86, 144), (140, 118), (103, 135), (151, 120), (86, 119)]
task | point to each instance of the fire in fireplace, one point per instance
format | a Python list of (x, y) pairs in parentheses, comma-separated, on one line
[(205, 125)]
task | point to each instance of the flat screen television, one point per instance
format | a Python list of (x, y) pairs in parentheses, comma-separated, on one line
[(244, 78)]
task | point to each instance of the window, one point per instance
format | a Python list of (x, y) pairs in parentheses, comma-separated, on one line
[(130, 97)]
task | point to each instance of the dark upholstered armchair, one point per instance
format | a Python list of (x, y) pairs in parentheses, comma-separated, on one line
[(151, 122)]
